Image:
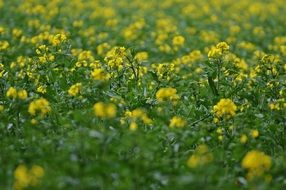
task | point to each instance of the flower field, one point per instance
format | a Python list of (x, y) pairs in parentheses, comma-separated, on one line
[(118, 94)]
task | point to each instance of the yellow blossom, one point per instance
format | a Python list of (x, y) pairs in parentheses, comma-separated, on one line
[(99, 74), (243, 139), (133, 126), (219, 50), (22, 94), (139, 114), (256, 162), (11, 93), (167, 94), (201, 157), (178, 41), (254, 133), (104, 110), (225, 108), (25, 177), (115, 57), (42, 89), (74, 89), (177, 122), (57, 39), (41, 105), (4, 45), (141, 56)]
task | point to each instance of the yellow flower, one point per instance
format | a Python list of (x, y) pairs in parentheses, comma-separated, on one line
[(274, 106), (219, 50), (40, 105), (57, 39), (178, 41), (102, 48), (17, 32), (22, 94), (223, 46), (74, 89), (141, 56), (201, 157), (11, 93), (25, 177), (167, 94), (4, 45), (214, 53), (42, 89), (139, 114), (22, 178), (115, 57), (133, 126), (177, 122), (104, 110), (36, 173), (254, 133), (34, 121), (256, 162), (225, 108), (99, 74), (243, 139)]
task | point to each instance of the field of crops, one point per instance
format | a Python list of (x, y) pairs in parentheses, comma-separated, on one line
[(142, 94)]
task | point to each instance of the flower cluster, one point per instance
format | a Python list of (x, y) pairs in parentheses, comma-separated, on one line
[(219, 50), (14, 93), (104, 110), (225, 108), (165, 94), (25, 177), (256, 163), (177, 122), (40, 106), (202, 156)]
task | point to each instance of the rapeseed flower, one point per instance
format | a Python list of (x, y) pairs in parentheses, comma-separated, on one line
[(177, 122), (74, 90), (104, 110), (225, 108), (256, 163), (25, 177), (169, 93), (201, 157), (41, 106)]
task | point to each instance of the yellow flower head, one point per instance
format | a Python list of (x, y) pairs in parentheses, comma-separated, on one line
[(225, 108), (201, 157), (25, 177), (254, 133), (99, 74), (243, 139), (58, 38), (178, 41), (177, 122), (133, 126), (11, 93), (42, 89), (219, 50), (141, 56), (22, 94), (115, 57), (256, 162), (4, 45), (104, 110), (74, 89), (167, 94), (139, 114), (41, 105)]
